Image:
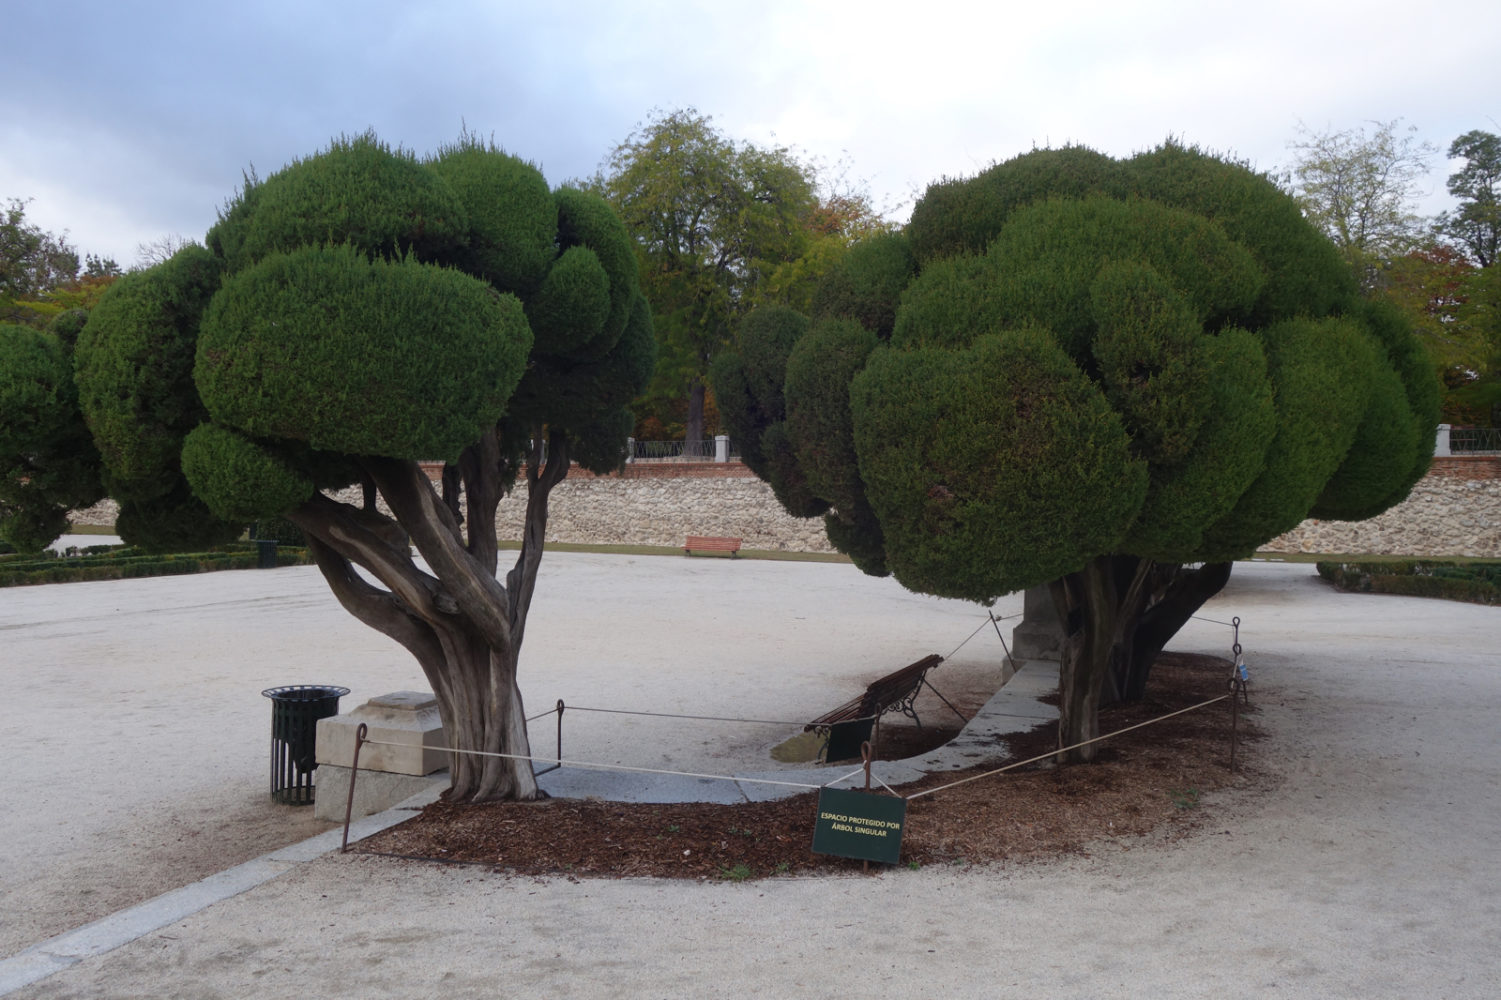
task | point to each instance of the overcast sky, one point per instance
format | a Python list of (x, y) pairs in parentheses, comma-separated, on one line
[(128, 121)]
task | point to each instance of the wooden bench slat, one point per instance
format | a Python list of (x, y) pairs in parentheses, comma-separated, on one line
[(882, 694), (710, 543)]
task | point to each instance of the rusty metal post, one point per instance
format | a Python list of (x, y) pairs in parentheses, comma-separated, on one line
[(1234, 720), (865, 754), (354, 771)]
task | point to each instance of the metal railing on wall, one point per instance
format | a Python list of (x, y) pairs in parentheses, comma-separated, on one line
[(716, 449), (1475, 440)]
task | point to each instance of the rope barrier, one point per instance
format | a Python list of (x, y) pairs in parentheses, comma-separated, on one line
[(1054, 753), (591, 765), (989, 620)]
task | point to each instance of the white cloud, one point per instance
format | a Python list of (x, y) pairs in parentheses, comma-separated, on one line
[(144, 120)]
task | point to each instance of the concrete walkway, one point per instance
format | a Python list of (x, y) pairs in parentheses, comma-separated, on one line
[(1369, 872)]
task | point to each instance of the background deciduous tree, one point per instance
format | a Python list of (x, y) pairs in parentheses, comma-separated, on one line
[(1475, 226), (41, 275), (1360, 189), (1112, 377), (712, 218)]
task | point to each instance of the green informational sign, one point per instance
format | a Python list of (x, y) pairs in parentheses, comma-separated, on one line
[(859, 825)]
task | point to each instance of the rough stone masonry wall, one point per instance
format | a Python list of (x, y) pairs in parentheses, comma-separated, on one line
[(1455, 510), (661, 504)]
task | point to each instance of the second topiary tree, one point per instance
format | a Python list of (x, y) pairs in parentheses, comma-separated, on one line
[(1110, 377)]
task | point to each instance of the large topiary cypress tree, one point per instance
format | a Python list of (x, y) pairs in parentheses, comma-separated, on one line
[(354, 313), (1111, 377)]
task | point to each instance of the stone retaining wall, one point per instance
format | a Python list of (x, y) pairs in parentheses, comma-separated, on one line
[(1455, 510)]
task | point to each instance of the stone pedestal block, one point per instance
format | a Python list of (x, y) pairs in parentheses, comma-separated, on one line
[(388, 774), (374, 792), (1039, 636), (407, 718)]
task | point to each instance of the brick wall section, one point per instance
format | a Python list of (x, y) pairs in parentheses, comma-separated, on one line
[(1454, 510), (1472, 467)]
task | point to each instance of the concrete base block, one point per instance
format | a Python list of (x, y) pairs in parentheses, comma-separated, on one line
[(373, 792), (1039, 636), (408, 719)]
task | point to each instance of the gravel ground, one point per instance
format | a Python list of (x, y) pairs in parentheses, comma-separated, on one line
[(1368, 871)]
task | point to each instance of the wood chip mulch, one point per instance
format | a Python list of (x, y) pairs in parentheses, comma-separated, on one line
[(1150, 781)]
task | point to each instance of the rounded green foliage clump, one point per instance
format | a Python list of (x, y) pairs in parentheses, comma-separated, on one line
[(134, 363), (1322, 372), (358, 191), (48, 464), (1420, 383), (1047, 258), (819, 371), (175, 522), (751, 382), (570, 309), (963, 216), (1375, 472), (1239, 419), (951, 303), (587, 220), (67, 325), (1144, 353), (38, 401), (993, 468), (866, 284), (325, 346), (1304, 273), (238, 479), (512, 217), (766, 340)]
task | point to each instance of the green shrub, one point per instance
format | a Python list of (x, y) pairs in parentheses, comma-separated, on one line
[(128, 562), (1475, 583)]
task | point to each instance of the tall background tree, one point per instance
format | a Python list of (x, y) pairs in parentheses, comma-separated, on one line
[(711, 219), (1110, 377), (41, 275), (1475, 226), (1361, 189), (356, 312)]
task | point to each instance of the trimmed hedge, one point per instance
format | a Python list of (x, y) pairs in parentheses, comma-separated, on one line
[(1474, 583), (101, 562)]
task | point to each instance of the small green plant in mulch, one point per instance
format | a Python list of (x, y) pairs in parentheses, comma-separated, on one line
[(1454, 580), (735, 873), (1184, 798), (119, 562)]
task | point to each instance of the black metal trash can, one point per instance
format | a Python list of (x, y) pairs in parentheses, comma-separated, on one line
[(265, 551), (295, 711)]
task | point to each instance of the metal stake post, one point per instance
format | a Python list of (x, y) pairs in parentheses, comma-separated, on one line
[(354, 771)]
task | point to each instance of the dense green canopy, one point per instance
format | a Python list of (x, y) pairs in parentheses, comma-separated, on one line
[(363, 302), (47, 463), (1154, 357)]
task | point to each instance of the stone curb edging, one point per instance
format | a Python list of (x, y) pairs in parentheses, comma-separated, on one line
[(104, 935)]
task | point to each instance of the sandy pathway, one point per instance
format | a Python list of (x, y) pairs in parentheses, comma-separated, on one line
[(139, 738)]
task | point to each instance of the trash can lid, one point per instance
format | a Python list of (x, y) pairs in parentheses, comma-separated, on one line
[(305, 692)]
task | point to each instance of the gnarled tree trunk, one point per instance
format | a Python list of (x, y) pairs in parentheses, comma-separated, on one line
[(461, 623), (1117, 614)]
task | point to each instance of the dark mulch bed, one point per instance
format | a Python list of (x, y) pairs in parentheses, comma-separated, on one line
[(1149, 780)]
